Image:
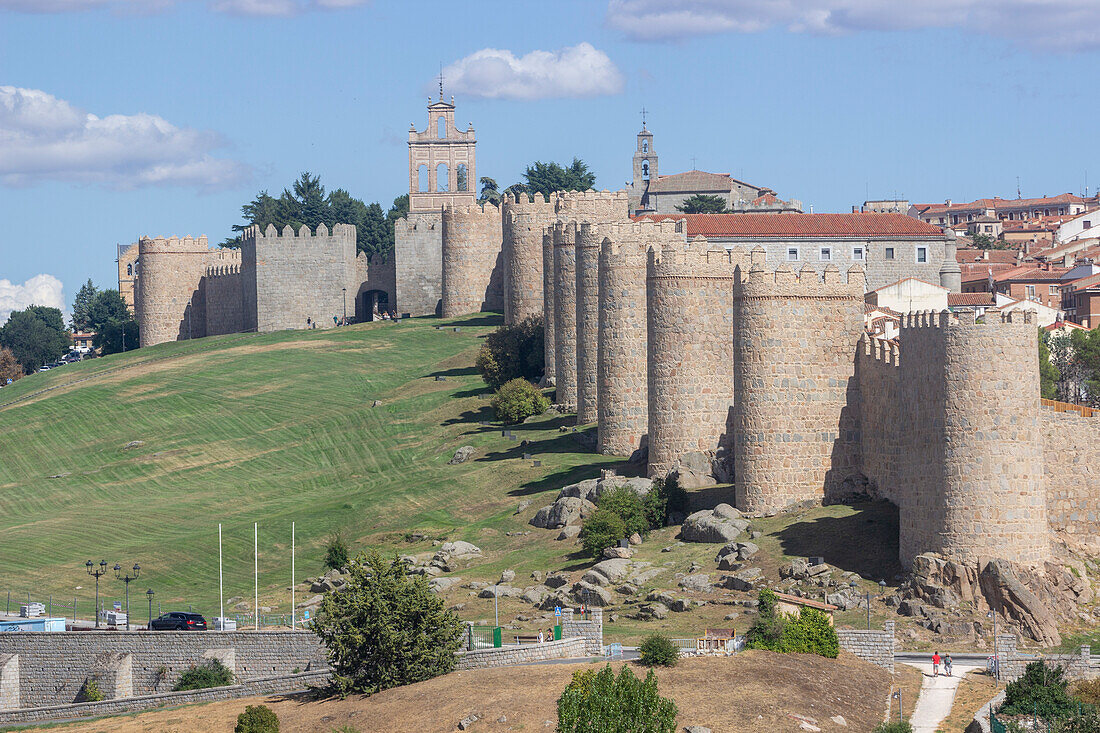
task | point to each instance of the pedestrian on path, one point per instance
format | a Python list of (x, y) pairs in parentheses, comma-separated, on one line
[(936, 664), (947, 664)]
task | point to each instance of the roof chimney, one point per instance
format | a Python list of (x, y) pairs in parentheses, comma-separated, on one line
[(948, 202), (855, 209)]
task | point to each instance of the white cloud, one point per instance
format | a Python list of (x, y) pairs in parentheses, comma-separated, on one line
[(255, 7), (575, 71), (1066, 25), (39, 290), (46, 138), (252, 8)]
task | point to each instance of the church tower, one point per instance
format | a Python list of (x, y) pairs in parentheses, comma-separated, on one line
[(645, 170), (441, 161)]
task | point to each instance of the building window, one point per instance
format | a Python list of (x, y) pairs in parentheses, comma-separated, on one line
[(792, 254), (889, 253), (645, 146), (922, 254), (129, 270), (441, 128), (825, 254), (1088, 224), (1053, 290), (645, 170), (857, 253), (1030, 291)]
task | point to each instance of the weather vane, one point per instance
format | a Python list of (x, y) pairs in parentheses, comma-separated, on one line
[(440, 81), (643, 117)]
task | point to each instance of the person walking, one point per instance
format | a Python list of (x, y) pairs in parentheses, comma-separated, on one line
[(947, 664), (936, 664)]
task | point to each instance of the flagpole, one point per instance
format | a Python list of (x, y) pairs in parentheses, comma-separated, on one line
[(221, 590), (256, 572), (292, 576)]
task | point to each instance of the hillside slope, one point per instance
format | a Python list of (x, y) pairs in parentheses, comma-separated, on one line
[(268, 428)]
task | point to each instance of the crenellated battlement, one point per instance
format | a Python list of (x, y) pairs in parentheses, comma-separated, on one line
[(608, 205), (564, 232), (785, 282), (488, 209), (405, 225), (253, 233), (884, 351), (527, 204), (967, 319), (222, 270), (173, 245), (695, 259)]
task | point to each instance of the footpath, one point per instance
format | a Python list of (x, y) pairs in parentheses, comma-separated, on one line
[(937, 694)]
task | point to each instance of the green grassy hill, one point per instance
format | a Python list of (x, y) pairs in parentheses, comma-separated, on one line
[(268, 428)]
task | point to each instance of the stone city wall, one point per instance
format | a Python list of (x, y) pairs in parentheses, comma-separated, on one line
[(587, 264), (258, 686), (472, 260), (690, 362), (300, 276), (524, 219), (1071, 457), (876, 647), (418, 259), (549, 307), (796, 421), (53, 667), (224, 299), (877, 369), (169, 301), (622, 392), (565, 314), (512, 655), (377, 278)]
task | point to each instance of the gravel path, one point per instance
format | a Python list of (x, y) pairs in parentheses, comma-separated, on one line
[(936, 696)]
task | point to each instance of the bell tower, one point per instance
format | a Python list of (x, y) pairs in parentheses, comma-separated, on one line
[(645, 170), (441, 161)]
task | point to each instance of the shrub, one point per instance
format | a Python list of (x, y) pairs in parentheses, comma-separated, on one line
[(810, 633), (200, 677), (385, 628), (600, 701), (90, 692), (1087, 691), (898, 726), (257, 719), (518, 400), (336, 551), (629, 507), (512, 352), (1040, 691), (1086, 721), (767, 631), (603, 529), (658, 650), (663, 499)]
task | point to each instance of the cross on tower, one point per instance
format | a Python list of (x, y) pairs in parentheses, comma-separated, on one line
[(643, 117), (693, 162), (440, 81)]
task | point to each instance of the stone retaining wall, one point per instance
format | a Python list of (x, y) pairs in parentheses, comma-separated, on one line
[(876, 647), (508, 656), (590, 630), (258, 686), (1078, 666)]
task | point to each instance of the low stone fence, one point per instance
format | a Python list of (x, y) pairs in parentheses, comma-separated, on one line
[(507, 656), (50, 668), (876, 647), (1079, 666), (258, 686), (591, 629)]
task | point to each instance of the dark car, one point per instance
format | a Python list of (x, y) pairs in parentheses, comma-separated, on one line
[(178, 621)]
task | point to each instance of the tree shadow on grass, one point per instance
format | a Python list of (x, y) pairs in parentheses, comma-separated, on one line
[(865, 542), (472, 392), (455, 372), (474, 417), (485, 319)]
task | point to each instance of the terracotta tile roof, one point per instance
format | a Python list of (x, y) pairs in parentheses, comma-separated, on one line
[(965, 299), (1029, 272), (802, 225), (1057, 325), (1000, 203), (978, 255), (868, 309), (692, 181), (768, 198), (806, 602)]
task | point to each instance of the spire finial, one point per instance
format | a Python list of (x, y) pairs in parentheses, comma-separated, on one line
[(440, 81), (643, 117)]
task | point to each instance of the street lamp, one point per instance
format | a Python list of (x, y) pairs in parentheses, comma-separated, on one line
[(345, 290), (149, 595), (127, 579), (96, 573)]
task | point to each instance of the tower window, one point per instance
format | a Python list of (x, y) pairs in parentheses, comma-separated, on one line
[(441, 125), (645, 146), (645, 170), (422, 179), (129, 270), (441, 177)]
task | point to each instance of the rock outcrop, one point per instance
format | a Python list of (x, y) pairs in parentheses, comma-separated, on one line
[(721, 524)]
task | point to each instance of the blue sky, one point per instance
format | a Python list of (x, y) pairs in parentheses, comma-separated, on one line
[(199, 104)]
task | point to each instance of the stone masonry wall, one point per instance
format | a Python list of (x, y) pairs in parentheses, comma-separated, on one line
[(796, 421), (169, 278), (878, 373), (587, 263), (565, 314), (418, 259), (224, 300), (512, 655), (690, 362), (374, 273), (524, 219), (549, 306), (472, 260), (876, 647), (590, 630), (301, 276), (54, 666), (622, 392), (1071, 458)]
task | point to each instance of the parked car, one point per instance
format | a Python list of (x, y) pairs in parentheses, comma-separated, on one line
[(178, 621)]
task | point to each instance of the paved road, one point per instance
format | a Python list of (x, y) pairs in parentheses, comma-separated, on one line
[(937, 693)]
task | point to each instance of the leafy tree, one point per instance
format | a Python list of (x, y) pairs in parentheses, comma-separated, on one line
[(385, 628), (336, 552), (703, 204), (398, 210), (600, 701), (986, 241), (201, 677), (1041, 691), (546, 178), (517, 400), (10, 368), (601, 530), (627, 505), (1049, 376), (658, 649), (84, 296), (1086, 352), (513, 351), (115, 329), (665, 497), (809, 633), (461, 178), (516, 189), (257, 719), (489, 192), (767, 631), (36, 336), (117, 336)]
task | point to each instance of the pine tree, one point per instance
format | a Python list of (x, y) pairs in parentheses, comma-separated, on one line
[(84, 297)]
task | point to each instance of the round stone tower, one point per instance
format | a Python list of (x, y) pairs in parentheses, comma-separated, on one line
[(796, 423), (524, 221), (589, 237), (549, 303), (471, 259), (621, 382), (974, 486), (169, 300), (689, 298), (565, 314)]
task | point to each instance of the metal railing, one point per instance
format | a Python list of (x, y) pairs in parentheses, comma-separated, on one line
[(1082, 410)]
